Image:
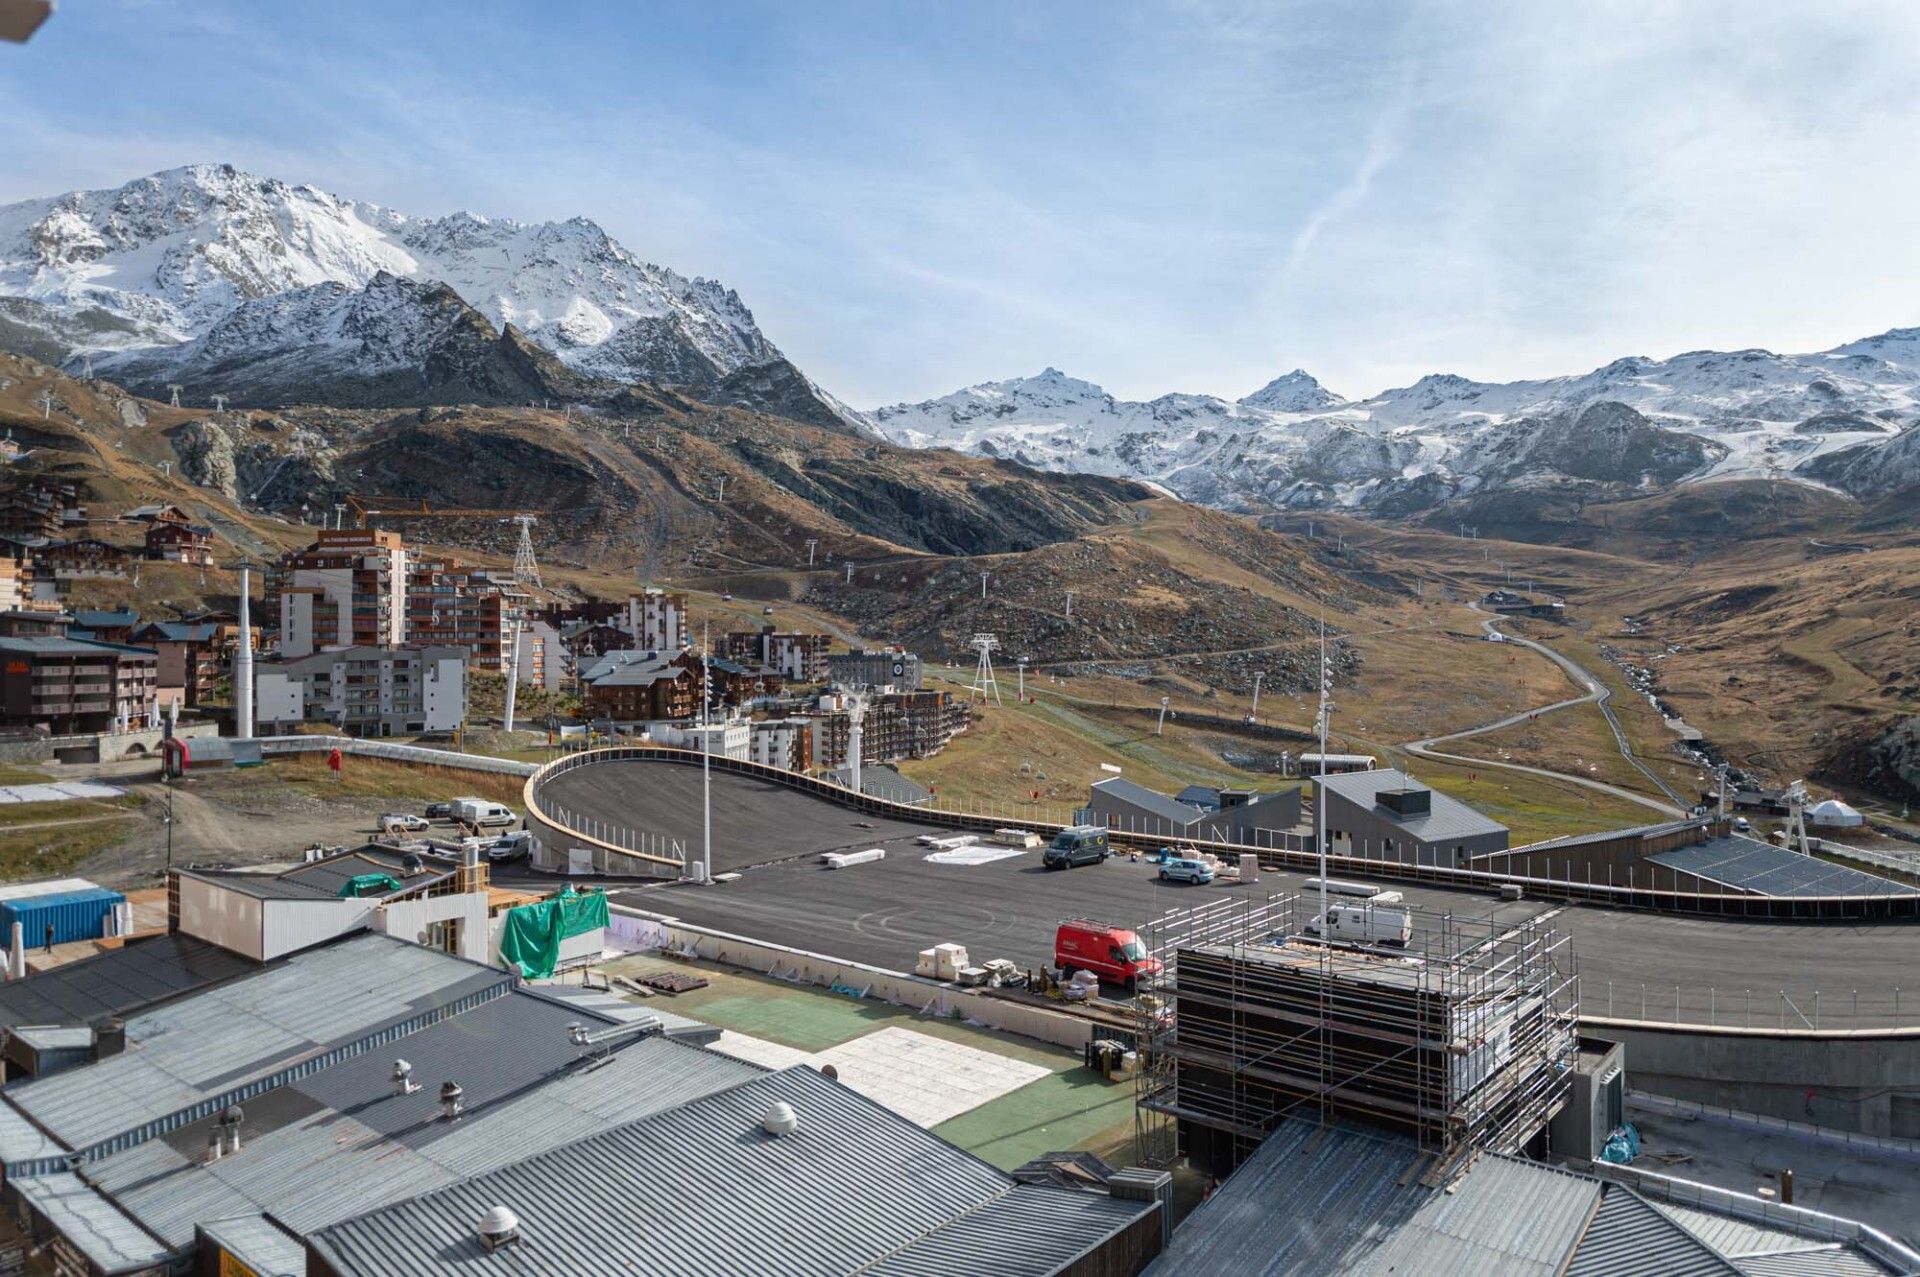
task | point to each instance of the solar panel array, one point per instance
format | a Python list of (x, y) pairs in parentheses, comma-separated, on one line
[(1773, 871)]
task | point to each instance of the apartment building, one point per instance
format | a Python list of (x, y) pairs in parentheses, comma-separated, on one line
[(454, 605), (783, 742), (367, 691), (890, 667), (41, 508), (193, 655), (657, 620), (347, 589), (180, 542), (69, 686), (797, 658), (896, 725)]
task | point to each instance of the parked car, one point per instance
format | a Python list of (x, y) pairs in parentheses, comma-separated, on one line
[(1186, 868), (511, 846), (439, 811), (1079, 845), (402, 822), (1110, 952)]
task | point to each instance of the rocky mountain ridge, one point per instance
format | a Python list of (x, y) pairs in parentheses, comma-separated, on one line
[(1633, 425), (192, 273)]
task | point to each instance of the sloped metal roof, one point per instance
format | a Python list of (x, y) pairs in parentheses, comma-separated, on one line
[(1752, 865), (119, 981), (260, 1244), (1450, 818), (1031, 1233), (90, 1222), (342, 1142), (288, 1015), (1151, 801), (1811, 1261), (702, 1189), (1630, 1237), (1314, 1200)]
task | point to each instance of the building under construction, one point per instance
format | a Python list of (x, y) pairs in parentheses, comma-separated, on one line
[(1462, 1039)]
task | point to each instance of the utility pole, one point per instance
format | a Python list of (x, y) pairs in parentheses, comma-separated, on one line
[(46, 405), (723, 489), (339, 516), (243, 663), (983, 584), (706, 758), (1160, 728), (219, 403), (849, 572), (813, 543), (1069, 605), (173, 391), (1022, 663), (513, 673), (1320, 786), (1257, 676)]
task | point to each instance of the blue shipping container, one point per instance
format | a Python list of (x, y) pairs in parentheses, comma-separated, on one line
[(75, 915)]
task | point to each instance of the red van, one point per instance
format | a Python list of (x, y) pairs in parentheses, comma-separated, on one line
[(1113, 953)]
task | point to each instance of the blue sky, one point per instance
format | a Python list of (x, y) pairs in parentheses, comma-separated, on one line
[(1194, 196)]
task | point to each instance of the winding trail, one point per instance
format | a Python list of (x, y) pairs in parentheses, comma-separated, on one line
[(1598, 694)]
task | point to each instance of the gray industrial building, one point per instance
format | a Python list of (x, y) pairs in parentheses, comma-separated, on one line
[(1387, 815), (1199, 813), (862, 668), (289, 1116)]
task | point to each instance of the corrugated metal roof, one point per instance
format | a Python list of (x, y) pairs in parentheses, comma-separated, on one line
[(260, 1244), (323, 879), (231, 1035), (1034, 1232), (1731, 1235), (702, 1189), (90, 1222), (1629, 1237), (1752, 865), (1314, 1200), (1826, 1261), (119, 981), (1449, 819), (1608, 835), (341, 1142), (1150, 801)]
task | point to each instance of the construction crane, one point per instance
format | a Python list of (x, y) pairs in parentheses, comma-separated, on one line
[(366, 509)]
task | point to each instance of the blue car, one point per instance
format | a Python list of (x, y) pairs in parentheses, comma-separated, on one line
[(1186, 869)]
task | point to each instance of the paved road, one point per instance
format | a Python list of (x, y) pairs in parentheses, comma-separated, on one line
[(1597, 693)]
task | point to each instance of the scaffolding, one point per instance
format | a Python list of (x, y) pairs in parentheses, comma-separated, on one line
[(1462, 1038)]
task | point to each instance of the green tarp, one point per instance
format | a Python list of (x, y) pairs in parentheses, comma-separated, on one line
[(369, 885), (530, 939)]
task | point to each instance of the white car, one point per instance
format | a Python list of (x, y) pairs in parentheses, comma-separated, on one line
[(511, 846), (402, 822)]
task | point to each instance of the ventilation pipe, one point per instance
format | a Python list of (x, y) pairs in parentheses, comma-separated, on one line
[(403, 1083), (450, 1094), (780, 1119), (231, 1119), (216, 1142), (16, 955), (498, 1227)]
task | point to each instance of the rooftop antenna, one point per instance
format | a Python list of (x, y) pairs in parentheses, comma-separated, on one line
[(983, 680), (526, 569), (173, 392), (813, 543), (219, 403)]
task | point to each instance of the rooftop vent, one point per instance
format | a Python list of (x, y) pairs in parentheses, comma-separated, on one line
[(498, 1227), (1407, 802), (450, 1094), (410, 864), (403, 1083), (231, 1119), (109, 1038), (780, 1119)]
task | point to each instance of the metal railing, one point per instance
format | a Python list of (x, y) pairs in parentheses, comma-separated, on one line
[(1762, 1009), (396, 753)]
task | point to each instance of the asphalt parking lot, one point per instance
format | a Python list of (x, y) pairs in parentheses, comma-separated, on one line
[(884, 913), (754, 821)]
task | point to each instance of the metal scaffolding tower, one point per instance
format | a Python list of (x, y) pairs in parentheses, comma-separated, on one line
[(526, 569)]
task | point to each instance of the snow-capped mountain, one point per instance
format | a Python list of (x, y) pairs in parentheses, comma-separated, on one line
[(174, 268), (1635, 423)]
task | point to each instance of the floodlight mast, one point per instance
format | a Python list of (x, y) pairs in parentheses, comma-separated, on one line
[(1320, 786)]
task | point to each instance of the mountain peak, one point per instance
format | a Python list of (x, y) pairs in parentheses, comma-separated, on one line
[(1297, 391)]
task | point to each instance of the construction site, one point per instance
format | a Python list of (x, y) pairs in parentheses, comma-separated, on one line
[(1463, 1041)]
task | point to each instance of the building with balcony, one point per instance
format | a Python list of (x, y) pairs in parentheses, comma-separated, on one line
[(194, 655), (797, 658), (897, 725), (453, 605), (69, 686), (347, 589), (657, 619), (366, 691), (84, 559), (177, 542), (889, 667)]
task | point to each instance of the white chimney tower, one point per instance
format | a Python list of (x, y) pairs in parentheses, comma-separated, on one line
[(243, 666)]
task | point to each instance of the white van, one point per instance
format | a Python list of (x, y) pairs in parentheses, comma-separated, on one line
[(1364, 924), (483, 814)]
